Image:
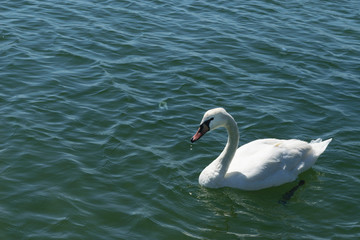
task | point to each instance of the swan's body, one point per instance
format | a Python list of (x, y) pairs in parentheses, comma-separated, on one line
[(259, 164)]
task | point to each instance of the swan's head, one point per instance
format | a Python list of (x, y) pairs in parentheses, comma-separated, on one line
[(213, 118)]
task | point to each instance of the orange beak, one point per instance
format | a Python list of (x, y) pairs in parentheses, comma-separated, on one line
[(204, 128)]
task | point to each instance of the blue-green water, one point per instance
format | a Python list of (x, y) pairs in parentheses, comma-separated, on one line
[(99, 100)]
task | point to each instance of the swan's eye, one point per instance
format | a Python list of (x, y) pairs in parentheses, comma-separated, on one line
[(207, 122)]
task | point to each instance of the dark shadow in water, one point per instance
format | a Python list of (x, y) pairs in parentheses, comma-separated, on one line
[(287, 196)]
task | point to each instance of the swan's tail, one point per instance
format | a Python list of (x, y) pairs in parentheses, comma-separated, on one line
[(319, 145)]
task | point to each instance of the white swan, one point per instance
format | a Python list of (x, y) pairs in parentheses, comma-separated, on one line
[(259, 164)]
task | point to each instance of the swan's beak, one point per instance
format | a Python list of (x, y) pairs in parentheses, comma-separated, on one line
[(197, 136), (202, 130)]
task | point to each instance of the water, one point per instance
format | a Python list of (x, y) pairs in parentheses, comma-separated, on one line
[(99, 100)]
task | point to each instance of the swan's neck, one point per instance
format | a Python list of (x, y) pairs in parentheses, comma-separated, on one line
[(213, 174), (224, 159)]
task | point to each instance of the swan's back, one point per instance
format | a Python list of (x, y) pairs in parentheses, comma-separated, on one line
[(272, 162)]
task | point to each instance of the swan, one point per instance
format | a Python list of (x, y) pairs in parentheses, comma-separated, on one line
[(258, 164)]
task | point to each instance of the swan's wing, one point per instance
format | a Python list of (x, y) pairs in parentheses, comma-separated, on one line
[(267, 159)]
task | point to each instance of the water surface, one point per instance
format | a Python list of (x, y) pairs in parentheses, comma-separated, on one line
[(99, 100)]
